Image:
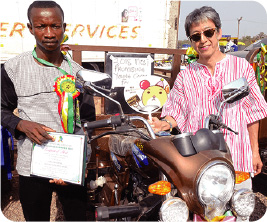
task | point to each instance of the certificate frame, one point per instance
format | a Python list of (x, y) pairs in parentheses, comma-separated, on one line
[(65, 158)]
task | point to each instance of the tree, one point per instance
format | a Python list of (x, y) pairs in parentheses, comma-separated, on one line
[(261, 35)]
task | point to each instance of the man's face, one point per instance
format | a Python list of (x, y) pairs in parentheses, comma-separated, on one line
[(47, 27), (206, 46)]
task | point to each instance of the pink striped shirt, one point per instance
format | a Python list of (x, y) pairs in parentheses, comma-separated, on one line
[(196, 94)]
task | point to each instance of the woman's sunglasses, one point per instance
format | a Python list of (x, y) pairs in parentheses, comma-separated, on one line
[(197, 36)]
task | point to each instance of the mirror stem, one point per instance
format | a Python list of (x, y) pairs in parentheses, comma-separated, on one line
[(102, 94)]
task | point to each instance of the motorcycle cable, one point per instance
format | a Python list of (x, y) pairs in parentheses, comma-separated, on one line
[(143, 136)]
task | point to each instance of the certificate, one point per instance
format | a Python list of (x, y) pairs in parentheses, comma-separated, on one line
[(62, 159)]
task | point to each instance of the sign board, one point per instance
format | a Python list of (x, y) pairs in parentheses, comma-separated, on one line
[(128, 67), (125, 69)]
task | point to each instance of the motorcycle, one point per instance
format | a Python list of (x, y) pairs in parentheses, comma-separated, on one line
[(136, 175)]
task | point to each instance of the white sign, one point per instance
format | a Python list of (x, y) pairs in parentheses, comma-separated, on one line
[(125, 70)]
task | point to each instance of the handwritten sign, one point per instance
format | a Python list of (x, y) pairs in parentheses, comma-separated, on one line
[(126, 68)]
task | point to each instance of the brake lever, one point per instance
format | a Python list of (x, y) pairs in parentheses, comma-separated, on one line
[(228, 128), (214, 120)]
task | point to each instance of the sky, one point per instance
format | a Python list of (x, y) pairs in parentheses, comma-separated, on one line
[(253, 13)]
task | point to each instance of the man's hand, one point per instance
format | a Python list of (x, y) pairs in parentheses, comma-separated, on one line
[(58, 182), (257, 163), (36, 132)]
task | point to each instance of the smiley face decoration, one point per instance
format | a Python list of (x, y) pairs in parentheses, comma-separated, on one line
[(154, 94), (150, 92)]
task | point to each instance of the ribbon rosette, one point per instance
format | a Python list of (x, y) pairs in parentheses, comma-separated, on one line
[(65, 89)]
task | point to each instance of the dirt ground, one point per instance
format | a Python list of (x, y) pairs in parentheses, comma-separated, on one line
[(10, 204)]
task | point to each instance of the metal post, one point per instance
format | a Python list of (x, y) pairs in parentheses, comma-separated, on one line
[(238, 27)]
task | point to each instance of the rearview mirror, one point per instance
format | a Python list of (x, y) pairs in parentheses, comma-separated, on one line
[(235, 90), (96, 84), (88, 79)]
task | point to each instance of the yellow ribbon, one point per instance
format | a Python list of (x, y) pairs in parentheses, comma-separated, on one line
[(191, 51), (263, 72), (65, 38), (192, 54)]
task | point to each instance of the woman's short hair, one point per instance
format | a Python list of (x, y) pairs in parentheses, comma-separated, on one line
[(202, 14)]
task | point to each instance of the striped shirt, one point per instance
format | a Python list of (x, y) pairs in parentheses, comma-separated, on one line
[(196, 94)]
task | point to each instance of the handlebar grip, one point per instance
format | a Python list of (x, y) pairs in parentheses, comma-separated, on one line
[(114, 120), (105, 213)]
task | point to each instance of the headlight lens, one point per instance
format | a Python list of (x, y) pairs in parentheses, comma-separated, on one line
[(215, 188), (174, 210), (243, 203)]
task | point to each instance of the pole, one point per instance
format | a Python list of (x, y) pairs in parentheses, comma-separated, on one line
[(177, 22), (238, 20)]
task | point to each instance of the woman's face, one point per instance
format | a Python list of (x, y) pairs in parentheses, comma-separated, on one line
[(206, 46)]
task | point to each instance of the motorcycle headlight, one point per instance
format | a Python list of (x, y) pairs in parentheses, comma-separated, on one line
[(243, 203), (174, 210), (215, 188)]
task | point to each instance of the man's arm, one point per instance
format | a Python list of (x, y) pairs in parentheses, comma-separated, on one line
[(8, 104), (253, 130), (19, 128)]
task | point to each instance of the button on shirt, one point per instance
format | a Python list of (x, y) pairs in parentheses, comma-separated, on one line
[(196, 94)]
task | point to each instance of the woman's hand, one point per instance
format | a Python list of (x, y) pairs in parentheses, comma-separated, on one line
[(159, 125), (156, 124), (257, 163)]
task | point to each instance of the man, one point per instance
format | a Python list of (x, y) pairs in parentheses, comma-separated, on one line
[(28, 84), (229, 44), (197, 93)]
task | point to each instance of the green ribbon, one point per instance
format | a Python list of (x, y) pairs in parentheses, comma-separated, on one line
[(70, 113), (51, 64)]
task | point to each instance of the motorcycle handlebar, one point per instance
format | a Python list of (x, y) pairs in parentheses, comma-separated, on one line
[(113, 120), (105, 213)]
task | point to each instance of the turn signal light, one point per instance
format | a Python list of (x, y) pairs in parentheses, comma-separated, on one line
[(241, 176), (160, 187)]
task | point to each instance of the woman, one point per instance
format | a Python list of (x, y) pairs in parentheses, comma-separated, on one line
[(197, 92)]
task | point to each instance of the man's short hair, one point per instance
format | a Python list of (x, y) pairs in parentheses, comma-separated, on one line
[(44, 4)]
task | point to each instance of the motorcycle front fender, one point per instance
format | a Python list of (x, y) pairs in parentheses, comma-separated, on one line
[(183, 171)]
